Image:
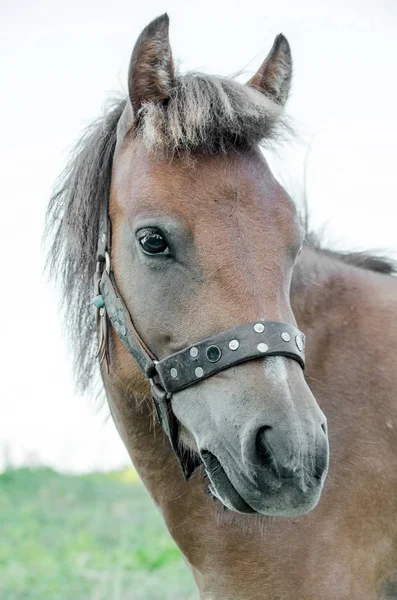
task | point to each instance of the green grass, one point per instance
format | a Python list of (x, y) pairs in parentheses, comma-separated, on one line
[(91, 537)]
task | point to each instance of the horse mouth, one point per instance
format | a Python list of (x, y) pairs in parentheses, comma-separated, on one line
[(288, 500), (221, 487)]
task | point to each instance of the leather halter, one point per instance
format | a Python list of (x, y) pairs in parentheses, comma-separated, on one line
[(192, 364)]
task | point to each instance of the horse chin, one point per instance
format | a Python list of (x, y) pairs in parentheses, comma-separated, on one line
[(287, 501)]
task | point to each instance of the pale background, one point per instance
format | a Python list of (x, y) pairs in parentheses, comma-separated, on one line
[(59, 61)]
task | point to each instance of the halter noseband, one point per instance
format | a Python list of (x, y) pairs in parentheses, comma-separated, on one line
[(192, 364)]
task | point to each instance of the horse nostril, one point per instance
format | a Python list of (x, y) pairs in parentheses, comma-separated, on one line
[(262, 449), (321, 464)]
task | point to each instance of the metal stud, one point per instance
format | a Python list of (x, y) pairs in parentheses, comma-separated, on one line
[(259, 328), (112, 310), (285, 336), (123, 330), (213, 353), (193, 352), (234, 344), (116, 325), (174, 373), (262, 347), (300, 344), (98, 301), (103, 238), (198, 372)]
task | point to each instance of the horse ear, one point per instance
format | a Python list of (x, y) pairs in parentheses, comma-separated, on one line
[(273, 77), (151, 70)]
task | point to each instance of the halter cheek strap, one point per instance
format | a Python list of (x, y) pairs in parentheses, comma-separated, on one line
[(192, 364)]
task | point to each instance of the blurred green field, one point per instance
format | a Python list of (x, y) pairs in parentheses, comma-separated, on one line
[(91, 537)]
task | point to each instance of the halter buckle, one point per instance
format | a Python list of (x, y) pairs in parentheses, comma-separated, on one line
[(158, 392)]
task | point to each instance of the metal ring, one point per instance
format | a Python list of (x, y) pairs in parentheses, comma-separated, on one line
[(107, 262)]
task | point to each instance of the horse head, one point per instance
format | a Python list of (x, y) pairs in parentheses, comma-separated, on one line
[(204, 238)]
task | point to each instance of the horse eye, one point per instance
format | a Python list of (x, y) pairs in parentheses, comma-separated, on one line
[(152, 241)]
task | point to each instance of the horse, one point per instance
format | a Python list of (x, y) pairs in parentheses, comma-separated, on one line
[(241, 359)]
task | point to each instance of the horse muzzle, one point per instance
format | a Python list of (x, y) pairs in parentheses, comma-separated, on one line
[(269, 487), (278, 470)]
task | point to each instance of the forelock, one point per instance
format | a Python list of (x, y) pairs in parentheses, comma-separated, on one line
[(210, 114)]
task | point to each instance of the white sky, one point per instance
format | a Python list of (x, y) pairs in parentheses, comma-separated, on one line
[(59, 61)]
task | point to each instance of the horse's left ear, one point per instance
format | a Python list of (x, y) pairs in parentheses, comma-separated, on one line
[(273, 77), (151, 70)]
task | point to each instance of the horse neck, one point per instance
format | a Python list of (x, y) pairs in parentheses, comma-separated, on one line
[(345, 312)]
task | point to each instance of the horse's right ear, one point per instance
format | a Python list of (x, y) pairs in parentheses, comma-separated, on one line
[(151, 70)]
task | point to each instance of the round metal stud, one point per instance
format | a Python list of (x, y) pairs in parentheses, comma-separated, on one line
[(300, 344), (98, 301), (193, 352), (259, 328), (103, 238), (174, 373), (116, 325), (123, 330), (213, 353), (198, 372), (285, 336), (262, 347), (234, 344)]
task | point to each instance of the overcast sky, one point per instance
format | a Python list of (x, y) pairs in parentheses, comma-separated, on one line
[(59, 61)]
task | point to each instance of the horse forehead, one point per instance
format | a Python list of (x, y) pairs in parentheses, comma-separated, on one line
[(194, 187)]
